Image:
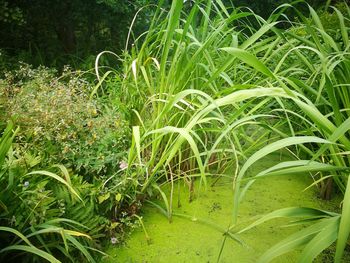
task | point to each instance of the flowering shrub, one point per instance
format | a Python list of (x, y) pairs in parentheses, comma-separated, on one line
[(60, 122)]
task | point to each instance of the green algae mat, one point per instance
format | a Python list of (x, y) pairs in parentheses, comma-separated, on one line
[(196, 231)]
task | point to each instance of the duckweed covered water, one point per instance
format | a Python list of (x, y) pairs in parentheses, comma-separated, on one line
[(196, 231)]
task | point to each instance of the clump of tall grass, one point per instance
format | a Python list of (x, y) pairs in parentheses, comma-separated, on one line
[(198, 77), (190, 102)]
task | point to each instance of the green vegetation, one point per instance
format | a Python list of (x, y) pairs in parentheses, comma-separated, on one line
[(204, 94)]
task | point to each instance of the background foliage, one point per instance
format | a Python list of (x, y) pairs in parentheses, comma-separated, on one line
[(49, 32)]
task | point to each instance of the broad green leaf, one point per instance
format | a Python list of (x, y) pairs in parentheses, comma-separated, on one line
[(17, 233), (344, 227), (165, 201), (33, 250), (334, 137), (262, 30), (326, 237), (136, 143), (57, 178), (293, 167), (295, 241), (303, 212), (80, 247), (343, 28), (249, 59)]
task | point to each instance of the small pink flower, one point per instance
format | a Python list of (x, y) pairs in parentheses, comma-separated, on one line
[(123, 165)]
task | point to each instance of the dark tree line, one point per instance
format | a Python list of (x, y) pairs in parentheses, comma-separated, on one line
[(79, 27)]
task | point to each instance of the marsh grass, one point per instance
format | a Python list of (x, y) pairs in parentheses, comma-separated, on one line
[(197, 80), (180, 71)]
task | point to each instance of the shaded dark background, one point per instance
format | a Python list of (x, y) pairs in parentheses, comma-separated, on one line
[(58, 32)]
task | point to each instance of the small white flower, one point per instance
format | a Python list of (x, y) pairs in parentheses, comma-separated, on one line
[(114, 240), (26, 184)]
